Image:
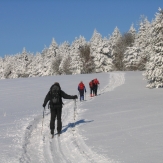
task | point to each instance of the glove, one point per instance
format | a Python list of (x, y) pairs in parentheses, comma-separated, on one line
[(43, 105), (75, 97)]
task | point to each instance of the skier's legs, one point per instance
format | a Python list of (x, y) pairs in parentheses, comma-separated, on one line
[(92, 92), (81, 95), (95, 90), (52, 120), (59, 120)]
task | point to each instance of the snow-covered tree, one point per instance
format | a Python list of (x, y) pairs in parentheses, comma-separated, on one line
[(36, 67), (21, 63), (88, 65), (154, 67), (100, 51), (49, 55), (52, 50), (119, 47), (7, 66), (135, 56), (15, 66), (113, 39), (64, 54), (55, 65), (132, 31), (66, 65), (76, 64)]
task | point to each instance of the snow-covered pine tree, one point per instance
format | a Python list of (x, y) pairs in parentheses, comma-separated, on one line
[(66, 65), (36, 67), (135, 56), (119, 45), (7, 66), (55, 65), (132, 31), (154, 67), (114, 38), (64, 53), (15, 66), (88, 65), (76, 64), (145, 47), (21, 62), (116, 35), (49, 55), (100, 51)]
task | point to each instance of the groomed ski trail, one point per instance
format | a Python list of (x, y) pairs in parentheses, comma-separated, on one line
[(70, 147)]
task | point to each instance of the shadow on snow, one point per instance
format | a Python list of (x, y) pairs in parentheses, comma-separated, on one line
[(72, 125)]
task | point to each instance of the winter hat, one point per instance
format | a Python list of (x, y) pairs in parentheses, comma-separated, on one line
[(56, 83)]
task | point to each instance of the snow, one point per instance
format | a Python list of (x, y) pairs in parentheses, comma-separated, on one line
[(124, 123)]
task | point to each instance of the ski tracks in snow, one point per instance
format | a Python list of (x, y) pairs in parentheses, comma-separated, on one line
[(70, 147), (116, 79)]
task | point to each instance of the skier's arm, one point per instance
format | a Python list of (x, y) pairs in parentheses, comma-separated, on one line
[(47, 98), (66, 96)]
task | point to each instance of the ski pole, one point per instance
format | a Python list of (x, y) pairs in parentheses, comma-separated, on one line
[(74, 114), (42, 121), (78, 95), (74, 109), (100, 88)]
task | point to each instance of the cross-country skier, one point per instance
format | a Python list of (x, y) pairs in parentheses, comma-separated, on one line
[(54, 96), (96, 83), (91, 86), (81, 89)]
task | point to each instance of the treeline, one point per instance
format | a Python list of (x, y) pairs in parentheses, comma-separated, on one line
[(140, 50)]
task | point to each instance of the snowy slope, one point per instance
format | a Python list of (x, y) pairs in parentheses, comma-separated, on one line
[(124, 123)]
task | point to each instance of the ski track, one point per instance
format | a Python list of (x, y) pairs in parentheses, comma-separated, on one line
[(70, 147)]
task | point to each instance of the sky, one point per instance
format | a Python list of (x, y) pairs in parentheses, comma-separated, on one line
[(122, 124), (33, 24)]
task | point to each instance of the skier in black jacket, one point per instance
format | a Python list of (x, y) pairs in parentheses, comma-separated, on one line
[(56, 108)]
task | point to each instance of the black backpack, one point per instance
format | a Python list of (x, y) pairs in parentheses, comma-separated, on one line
[(55, 94)]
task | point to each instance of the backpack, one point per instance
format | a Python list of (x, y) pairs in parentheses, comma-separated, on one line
[(55, 94), (95, 81), (81, 86), (91, 84)]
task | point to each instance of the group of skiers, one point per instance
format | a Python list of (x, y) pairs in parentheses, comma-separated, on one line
[(54, 97), (93, 85)]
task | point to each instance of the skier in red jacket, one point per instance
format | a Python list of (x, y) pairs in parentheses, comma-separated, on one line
[(96, 83), (81, 89)]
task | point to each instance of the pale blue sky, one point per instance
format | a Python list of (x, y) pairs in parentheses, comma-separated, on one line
[(32, 24)]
